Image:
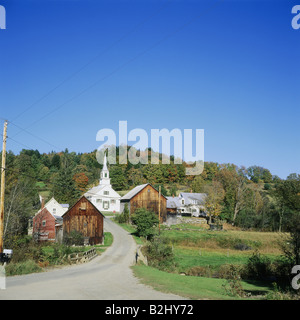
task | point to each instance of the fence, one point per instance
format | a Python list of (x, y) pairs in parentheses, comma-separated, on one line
[(82, 257)]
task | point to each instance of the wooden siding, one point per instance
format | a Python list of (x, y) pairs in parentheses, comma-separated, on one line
[(85, 218), (148, 199)]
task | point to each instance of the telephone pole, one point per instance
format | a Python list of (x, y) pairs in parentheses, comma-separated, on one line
[(159, 196), (2, 186)]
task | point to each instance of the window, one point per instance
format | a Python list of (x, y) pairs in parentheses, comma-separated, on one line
[(105, 204), (54, 210), (106, 193), (44, 223), (83, 206), (105, 175), (182, 201), (112, 201), (99, 200)]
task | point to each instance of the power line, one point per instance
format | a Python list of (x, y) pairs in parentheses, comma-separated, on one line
[(122, 66), (18, 142), (35, 136), (95, 58)]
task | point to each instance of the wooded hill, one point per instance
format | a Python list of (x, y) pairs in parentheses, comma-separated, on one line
[(248, 197)]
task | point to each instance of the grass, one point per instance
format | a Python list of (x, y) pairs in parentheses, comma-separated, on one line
[(265, 242), (188, 257), (191, 287), (109, 213), (26, 267)]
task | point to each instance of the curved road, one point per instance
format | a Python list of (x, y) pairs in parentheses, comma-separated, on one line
[(107, 277)]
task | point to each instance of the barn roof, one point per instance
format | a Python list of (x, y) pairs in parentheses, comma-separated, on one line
[(129, 195), (173, 202), (87, 201)]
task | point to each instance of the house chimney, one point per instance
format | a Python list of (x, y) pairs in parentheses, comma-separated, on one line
[(42, 203)]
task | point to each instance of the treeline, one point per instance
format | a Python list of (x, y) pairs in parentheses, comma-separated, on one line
[(248, 197)]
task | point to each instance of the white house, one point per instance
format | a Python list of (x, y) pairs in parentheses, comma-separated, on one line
[(190, 203), (55, 208), (103, 196)]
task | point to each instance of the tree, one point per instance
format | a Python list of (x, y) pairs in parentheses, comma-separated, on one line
[(145, 222), (287, 197), (213, 202), (81, 181), (239, 196), (292, 246), (64, 188), (163, 190), (198, 184)]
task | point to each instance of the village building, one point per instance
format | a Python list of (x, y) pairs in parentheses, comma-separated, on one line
[(46, 225), (187, 204), (145, 196), (85, 218), (103, 196)]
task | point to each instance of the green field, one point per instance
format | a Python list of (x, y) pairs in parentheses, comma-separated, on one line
[(202, 259), (193, 287)]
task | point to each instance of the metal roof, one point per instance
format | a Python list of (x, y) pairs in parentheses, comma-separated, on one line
[(134, 191)]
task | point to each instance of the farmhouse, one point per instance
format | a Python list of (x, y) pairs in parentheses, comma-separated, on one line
[(187, 203), (47, 226), (55, 208), (85, 218), (145, 196), (103, 196)]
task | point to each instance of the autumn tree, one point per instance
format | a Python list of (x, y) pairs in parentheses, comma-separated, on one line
[(214, 199), (81, 181)]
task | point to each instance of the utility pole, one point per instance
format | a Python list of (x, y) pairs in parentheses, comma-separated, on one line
[(159, 195), (2, 186)]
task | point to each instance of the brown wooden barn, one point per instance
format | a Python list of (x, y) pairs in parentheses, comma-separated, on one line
[(86, 219), (145, 196)]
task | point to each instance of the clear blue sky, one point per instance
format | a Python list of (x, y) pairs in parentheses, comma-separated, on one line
[(228, 67)]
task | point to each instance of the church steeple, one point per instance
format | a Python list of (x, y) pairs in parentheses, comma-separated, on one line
[(104, 177)]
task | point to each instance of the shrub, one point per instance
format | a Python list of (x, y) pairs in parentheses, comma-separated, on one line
[(234, 287), (26, 267), (124, 216), (160, 254), (145, 222), (199, 271), (258, 267), (73, 238)]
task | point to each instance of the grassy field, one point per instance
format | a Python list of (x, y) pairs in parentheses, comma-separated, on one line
[(203, 255), (198, 237), (193, 287)]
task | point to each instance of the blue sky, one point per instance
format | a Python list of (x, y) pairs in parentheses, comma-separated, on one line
[(70, 68)]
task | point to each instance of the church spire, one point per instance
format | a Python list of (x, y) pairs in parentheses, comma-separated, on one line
[(104, 177), (104, 162)]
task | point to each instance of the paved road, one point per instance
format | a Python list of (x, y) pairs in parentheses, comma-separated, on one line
[(107, 277)]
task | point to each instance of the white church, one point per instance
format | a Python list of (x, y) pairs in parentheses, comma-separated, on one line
[(103, 196)]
